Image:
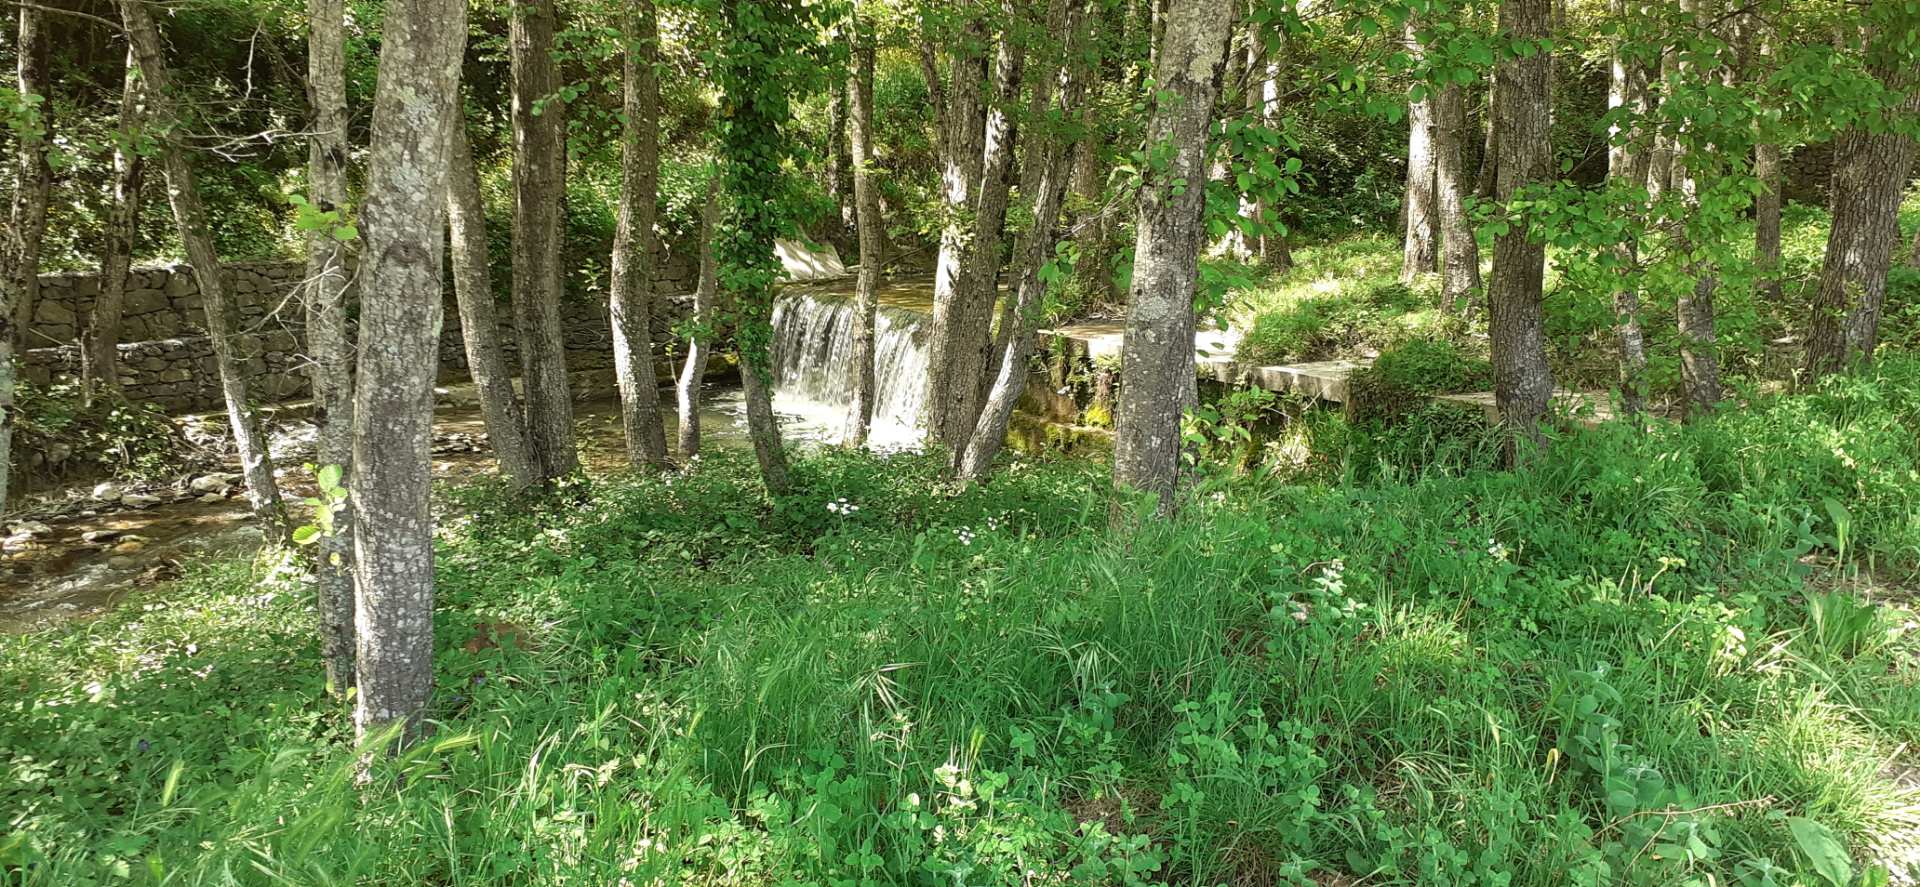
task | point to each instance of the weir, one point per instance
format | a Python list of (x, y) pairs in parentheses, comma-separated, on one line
[(813, 365)]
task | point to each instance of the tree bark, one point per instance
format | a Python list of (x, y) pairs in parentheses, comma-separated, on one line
[(1156, 364), (1660, 157), (190, 217), (952, 329), (867, 221), (329, 348), (1460, 255), (636, 245), (20, 249), (839, 161), (700, 344), (1276, 253), (1869, 174), (1421, 206), (1523, 93), (1054, 157), (100, 341), (539, 194), (1627, 168), (415, 113), (1693, 310), (1766, 219), (479, 321)]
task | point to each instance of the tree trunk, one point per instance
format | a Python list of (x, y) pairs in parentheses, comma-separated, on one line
[(539, 194), (1421, 206), (329, 348), (1627, 168), (415, 113), (20, 249), (1460, 255), (636, 245), (951, 329), (1660, 158), (700, 344), (839, 161), (1054, 157), (1156, 364), (1869, 174), (1486, 180), (190, 217), (479, 321), (1276, 253), (1693, 310), (100, 341), (866, 201), (1523, 93), (1766, 219)]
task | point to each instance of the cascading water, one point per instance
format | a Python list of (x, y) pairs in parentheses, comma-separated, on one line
[(813, 366)]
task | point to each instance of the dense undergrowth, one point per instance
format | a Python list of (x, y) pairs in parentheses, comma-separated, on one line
[(1339, 302), (1662, 658)]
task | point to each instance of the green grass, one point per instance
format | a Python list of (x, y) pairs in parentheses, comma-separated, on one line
[(1637, 659)]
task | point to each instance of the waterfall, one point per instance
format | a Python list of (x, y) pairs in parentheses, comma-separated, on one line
[(813, 366)]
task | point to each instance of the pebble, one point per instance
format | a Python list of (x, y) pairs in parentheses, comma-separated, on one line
[(139, 500), (107, 490)]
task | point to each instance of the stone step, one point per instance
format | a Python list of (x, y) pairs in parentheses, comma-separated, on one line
[(1324, 379)]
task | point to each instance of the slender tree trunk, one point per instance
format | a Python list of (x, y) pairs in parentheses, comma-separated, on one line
[(700, 344), (190, 217), (1627, 168), (866, 201), (100, 341), (1460, 255), (1276, 253), (636, 245), (1869, 174), (1693, 310), (1766, 219), (1660, 159), (415, 114), (936, 94), (329, 346), (27, 224), (1523, 93), (1156, 363), (1053, 156), (1487, 179), (479, 321), (951, 330), (539, 194), (839, 161), (1421, 206)]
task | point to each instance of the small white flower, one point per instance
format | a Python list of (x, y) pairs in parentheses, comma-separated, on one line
[(1497, 550)]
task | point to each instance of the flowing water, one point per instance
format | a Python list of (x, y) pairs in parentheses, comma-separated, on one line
[(80, 557)]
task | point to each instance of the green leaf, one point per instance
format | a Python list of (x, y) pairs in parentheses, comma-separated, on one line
[(306, 535), (328, 476), (1823, 850)]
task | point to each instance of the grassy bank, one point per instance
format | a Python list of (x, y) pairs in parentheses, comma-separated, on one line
[(1642, 659)]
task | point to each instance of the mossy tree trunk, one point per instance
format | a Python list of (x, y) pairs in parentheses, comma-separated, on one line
[(1523, 96), (539, 195)]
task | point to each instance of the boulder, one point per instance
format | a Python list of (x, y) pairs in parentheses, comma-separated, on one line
[(139, 500)]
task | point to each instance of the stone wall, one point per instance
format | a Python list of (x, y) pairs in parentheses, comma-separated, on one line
[(168, 361)]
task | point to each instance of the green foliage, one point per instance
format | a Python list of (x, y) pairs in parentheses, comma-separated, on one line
[(1351, 321), (1605, 667), (108, 436), (1406, 376)]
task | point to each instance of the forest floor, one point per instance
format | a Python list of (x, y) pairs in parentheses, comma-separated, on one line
[(1639, 658)]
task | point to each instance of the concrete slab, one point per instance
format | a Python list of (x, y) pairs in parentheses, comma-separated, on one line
[(1325, 379), (803, 263), (1589, 408)]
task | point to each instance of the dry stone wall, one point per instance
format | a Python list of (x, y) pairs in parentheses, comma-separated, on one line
[(167, 359)]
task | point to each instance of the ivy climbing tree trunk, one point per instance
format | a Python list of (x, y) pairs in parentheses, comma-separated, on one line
[(1523, 100), (756, 89), (1053, 155), (329, 347), (415, 114), (27, 222), (1421, 206), (479, 321), (1870, 171), (190, 218), (539, 193), (1156, 363), (867, 221), (1459, 253), (100, 341), (636, 244), (700, 344)]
